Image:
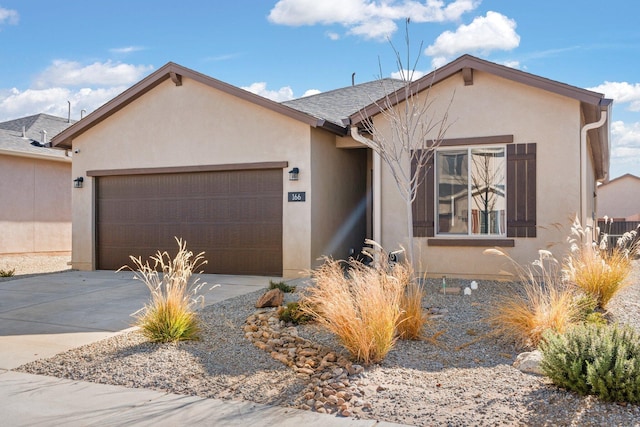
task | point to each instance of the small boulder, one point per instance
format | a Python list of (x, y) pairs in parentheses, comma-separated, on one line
[(271, 298), (529, 362)]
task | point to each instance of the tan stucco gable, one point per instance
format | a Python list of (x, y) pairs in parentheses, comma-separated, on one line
[(592, 104), (175, 73)]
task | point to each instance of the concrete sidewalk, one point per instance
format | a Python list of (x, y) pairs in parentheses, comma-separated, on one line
[(43, 315), (34, 400)]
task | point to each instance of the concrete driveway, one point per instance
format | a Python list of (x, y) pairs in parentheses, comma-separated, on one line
[(43, 315)]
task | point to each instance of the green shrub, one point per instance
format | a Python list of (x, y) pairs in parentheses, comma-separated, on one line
[(282, 286), (7, 273), (170, 315), (588, 311), (595, 359), (292, 314)]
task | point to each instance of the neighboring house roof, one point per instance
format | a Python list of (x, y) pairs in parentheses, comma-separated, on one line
[(176, 72), (336, 105), (592, 103), (24, 136), (621, 177)]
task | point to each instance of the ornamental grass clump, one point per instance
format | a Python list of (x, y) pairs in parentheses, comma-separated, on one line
[(603, 360), (171, 314), (413, 318), (361, 304), (598, 270), (7, 273), (541, 302)]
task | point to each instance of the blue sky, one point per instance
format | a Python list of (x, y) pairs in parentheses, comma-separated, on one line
[(89, 51)]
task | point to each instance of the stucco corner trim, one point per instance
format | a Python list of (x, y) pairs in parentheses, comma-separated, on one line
[(503, 243)]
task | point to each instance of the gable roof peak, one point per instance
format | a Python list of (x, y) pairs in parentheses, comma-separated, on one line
[(175, 72)]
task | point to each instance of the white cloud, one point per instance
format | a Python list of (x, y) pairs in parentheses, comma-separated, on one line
[(408, 75), (311, 92), (484, 34), (371, 19), (512, 64), (260, 88), (103, 74), (333, 36), (621, 92), (15, 103), (86, 86), (126, 50), (9, 16), (625, 148)]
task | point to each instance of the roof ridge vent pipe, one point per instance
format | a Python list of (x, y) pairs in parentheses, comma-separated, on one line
[(43, 133), (24, 132), (69, 113), (583, 164)]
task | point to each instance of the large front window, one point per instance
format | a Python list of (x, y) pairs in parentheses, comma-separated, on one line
[(471, 191)]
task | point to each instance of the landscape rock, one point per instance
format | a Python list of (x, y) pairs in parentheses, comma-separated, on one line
[(271, 298), (529, 362)]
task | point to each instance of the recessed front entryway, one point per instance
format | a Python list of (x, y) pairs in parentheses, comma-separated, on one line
[(234, 216)]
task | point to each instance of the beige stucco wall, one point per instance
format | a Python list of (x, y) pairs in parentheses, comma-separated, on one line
[(189, 125), (620, 198), (35, 205), (495, 106), (338, 209)]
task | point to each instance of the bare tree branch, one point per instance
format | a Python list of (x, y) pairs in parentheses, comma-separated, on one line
[(415, 132)]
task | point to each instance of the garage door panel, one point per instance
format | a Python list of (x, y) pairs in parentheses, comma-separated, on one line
[(235, 217)]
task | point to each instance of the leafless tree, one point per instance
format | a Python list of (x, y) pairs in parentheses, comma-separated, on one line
[(415, 131)]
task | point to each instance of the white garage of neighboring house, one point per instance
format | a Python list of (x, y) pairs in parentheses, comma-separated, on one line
[(268, 188), (35, 187)]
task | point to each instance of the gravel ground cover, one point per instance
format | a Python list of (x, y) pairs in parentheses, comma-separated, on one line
[(30, 264), (463, 376)]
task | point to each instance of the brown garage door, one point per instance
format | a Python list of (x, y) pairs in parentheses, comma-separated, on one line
[(235, 217)]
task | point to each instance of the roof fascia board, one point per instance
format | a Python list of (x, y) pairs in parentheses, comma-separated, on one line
[(332, 127), (471, 62), (4, 151), (64, 138)]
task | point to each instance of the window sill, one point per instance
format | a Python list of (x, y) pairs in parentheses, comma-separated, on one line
[(505, 243)]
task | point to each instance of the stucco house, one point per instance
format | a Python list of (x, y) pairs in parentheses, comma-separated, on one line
[(35, 187), (267, 188), (619, 198)]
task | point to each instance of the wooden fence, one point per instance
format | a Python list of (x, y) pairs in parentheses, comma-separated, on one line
[(616, 229)]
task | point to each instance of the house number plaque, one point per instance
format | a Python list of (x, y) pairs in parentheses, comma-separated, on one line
[(297, 196)]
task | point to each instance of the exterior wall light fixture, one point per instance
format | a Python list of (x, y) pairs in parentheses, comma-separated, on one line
[(293, 174), (77, 183)]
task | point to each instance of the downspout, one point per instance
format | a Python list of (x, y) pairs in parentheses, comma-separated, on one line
[(377, 185), (583, 164)]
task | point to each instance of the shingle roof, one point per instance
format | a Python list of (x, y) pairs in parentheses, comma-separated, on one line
[(338, 104), (12, 140)]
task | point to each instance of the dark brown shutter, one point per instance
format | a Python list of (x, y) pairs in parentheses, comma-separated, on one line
[(423, 215), (521, 190)]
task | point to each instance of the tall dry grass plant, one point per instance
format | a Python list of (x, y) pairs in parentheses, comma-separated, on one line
[(413, 318), (363, 304), (543, 302), (595, 268), (171, 313)]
